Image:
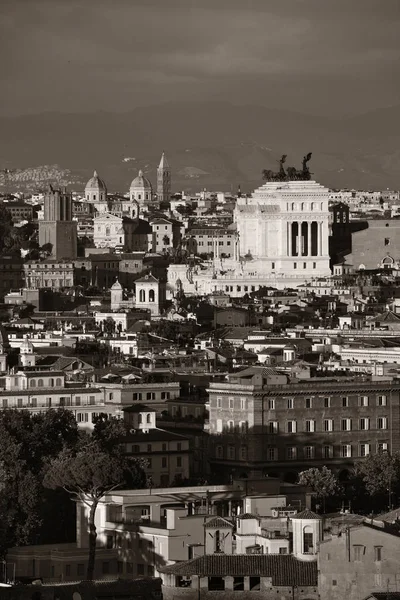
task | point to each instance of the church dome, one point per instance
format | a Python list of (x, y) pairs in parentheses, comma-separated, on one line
[(141, 182), (95, 184)]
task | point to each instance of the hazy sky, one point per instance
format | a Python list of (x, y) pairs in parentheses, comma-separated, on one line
[(318, 56)]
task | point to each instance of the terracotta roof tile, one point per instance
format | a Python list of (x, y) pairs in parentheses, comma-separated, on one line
[(283, 569)]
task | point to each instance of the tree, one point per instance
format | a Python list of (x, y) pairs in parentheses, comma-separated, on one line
[(88, 473), (26, 443), (381, 473), (322, 482)]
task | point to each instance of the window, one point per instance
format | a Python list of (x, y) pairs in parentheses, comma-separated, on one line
[(120, 567), (243, 426), (243, 452), (219, 426), (334, 582), (243, 403), (328, 451), (377, 553), (382, 423), (148, 418), (358, 552), (238, 584), (310, 426), (295, 264), (364, 424), (80, 569), (381, 400), (309, 452), (106, 568), (148, 447), (304, 265), (216, 584), (308, 544), (219, 402), (150, 571), (140, 569), (308, 402), (254, 584), (129, 568), (137, 396), (291, 453), (387, 241), (150, 396), (67, 570), (346, 451), (231, 403), (273, 427), (291, 427), (346, 424), (272, 453), (382, 447), (328, 425), (271, 404), (345, 401), (231, 452), (327, 402), (364, 400), (179, 461), (219, 452), (364, 449)]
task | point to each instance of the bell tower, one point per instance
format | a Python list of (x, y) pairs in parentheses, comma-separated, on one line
[(163, 180)]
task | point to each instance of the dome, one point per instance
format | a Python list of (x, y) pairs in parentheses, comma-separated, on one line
[(141, 182), (116, 286), (95, 183)]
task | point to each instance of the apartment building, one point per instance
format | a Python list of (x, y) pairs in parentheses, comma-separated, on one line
[(38, 391), (262, 424)]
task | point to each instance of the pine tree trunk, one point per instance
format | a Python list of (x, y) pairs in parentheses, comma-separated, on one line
[(92, 541)]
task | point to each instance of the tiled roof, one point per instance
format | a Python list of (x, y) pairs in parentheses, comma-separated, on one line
[(218, 522), (307, 514), (247, 516), (283, 569), (384, 596)]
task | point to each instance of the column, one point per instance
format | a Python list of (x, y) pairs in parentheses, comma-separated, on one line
[(289, 238), (298, 239), (320, 239), (309, 234)]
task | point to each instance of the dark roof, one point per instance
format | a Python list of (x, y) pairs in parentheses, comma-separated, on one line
[(247, 516), (307, 514), (219, 523), (283, 569), (135, 408)]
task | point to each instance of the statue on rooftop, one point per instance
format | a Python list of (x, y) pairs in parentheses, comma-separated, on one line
[(291, 173)]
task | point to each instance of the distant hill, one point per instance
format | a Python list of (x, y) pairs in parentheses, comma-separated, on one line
[(215, 145)]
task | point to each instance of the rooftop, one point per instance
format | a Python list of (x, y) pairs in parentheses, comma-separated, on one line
[(283, 569)]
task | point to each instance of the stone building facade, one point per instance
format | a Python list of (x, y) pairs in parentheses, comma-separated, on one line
[(57, 227), (261, 424)]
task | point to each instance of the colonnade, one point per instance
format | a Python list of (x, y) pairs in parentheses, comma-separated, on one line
[(305, 238)]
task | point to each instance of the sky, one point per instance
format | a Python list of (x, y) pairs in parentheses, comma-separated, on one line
[(321, 57)]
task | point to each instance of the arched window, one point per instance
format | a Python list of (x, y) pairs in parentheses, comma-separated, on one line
[(32, 383), (58, 382), (148, 418), (140, 419), (142, 296), (40, 382), (107, 231), (293, 206), (302, 206), (231, 425), (94, 196), (151, 296), (87, 197), (312, 206), (308, 540), (51, 382)]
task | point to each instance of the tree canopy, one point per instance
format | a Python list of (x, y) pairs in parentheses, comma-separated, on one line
[(323, 482), (381, 473)]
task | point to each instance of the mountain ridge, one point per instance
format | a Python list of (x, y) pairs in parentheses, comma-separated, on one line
[(231, 144)]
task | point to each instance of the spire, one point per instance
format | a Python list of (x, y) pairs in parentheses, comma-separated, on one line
[(95, 173), (163, 162), (140, 173)]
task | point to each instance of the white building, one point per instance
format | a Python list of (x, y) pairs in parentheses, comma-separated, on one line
[(283, 233)]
